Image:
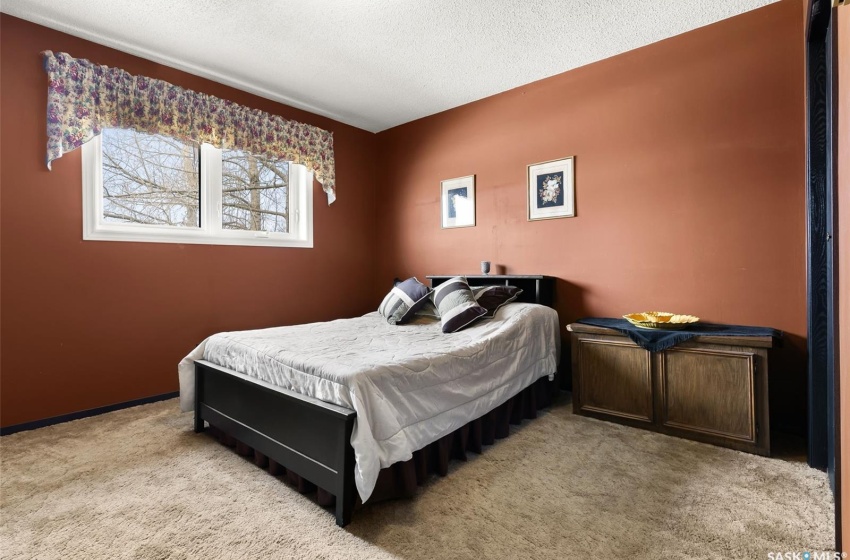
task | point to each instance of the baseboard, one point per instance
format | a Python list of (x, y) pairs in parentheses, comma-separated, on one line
[(8, 430)]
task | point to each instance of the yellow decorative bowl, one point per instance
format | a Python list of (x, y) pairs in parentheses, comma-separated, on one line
[(660, 320)]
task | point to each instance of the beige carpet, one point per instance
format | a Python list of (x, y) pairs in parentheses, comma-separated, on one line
[(138, 483)]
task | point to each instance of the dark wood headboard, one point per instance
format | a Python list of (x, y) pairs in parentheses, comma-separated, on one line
[(535, 288)]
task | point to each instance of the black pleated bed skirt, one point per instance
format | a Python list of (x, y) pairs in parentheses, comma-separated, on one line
[(402, 479)]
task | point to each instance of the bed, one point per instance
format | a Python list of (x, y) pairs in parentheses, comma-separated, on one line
[(341, 402)]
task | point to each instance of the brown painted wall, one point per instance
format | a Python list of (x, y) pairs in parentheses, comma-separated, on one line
[(87, 324), (690, 196), (690, 183), (843, 237)]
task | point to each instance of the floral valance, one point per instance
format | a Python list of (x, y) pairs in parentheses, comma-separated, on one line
[(84, 98)]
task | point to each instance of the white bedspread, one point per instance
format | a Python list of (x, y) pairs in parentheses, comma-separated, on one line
[(409, 384)]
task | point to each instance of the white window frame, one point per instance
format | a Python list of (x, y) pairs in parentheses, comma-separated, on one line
[(300, 204)]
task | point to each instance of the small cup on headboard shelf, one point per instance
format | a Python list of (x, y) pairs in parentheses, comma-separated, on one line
[(485, 267)]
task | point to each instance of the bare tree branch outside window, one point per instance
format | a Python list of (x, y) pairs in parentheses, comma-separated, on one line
[(150, 179), (254, 192), (153, 179)]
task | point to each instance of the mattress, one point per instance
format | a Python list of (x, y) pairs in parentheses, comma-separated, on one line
[(409, 384)]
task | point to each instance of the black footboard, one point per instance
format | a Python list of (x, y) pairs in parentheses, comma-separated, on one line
[(305, 435)]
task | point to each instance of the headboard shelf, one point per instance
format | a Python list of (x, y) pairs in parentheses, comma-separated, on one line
[(536, 288)]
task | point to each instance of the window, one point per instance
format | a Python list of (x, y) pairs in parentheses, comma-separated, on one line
[(150, 179), (253, 192), (148, 187)]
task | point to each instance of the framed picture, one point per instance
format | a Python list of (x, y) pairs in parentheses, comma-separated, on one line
[(458, 202), (551, 189)]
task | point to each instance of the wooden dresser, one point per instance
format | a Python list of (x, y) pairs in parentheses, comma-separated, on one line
[(711, 388)]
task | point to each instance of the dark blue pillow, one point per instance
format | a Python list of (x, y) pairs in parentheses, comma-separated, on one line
[(492, 298), (401, 304)]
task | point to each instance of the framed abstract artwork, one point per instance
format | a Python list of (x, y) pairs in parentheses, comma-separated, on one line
[(458, 202), (551, 189)]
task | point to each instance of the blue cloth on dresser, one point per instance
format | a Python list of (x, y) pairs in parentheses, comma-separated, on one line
[(659, 340)]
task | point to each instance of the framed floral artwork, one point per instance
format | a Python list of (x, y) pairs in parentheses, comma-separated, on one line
[(551, 189), (458, 202)]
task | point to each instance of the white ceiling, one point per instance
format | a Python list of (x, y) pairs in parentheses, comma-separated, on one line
[(376, 64)]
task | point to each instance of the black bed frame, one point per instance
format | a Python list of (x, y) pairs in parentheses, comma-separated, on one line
[(305, 435)]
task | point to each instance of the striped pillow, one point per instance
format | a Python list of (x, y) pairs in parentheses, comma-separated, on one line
[(404, 299), (456, 304), (492, 298)]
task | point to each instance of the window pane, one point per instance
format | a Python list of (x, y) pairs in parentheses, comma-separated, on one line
[(255, 192), (150, 179)]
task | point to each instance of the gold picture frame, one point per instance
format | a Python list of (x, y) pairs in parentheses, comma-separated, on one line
[(457, 202), (551, 189)]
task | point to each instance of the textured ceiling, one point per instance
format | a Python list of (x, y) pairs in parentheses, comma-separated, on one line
[(379, 63)]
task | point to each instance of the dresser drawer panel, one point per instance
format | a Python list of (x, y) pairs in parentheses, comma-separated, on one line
[(615, 379), (709, 391)]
